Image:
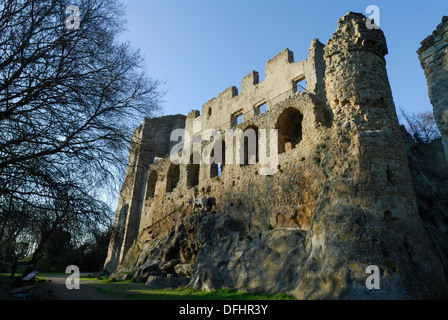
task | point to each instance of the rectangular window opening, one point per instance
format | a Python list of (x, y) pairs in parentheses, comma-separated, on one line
[(299, 85), (262, 108), (237, 118)]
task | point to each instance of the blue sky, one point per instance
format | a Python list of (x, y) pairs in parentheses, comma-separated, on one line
[(201, 47)]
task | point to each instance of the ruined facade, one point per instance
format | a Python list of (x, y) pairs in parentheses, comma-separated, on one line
[(433, 56), (155, 193), (341, 197)]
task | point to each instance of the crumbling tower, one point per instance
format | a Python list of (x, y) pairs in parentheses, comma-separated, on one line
[(150, 140), (433, 56), (367, 213), (365, 121)]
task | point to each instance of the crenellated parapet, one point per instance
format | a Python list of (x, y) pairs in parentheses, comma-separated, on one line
[(284, 77)]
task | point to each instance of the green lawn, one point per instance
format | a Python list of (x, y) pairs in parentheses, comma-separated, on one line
[(20, 269), (39, 292), (130, 290)]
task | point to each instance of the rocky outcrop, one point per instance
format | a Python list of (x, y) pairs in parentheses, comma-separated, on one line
[(429, 172), (281, 260), (433, 55), (226, 256)]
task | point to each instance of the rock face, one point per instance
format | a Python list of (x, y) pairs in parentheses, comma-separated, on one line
[(429, 172), (433, 56), (351, 190), (367, 213), (227, 256)]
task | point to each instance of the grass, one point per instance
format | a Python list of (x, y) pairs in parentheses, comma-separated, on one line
[(20, 269), (39, 292), (130, 290)]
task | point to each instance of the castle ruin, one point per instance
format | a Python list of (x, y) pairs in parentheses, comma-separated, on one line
[(433, 55), (342, 196)]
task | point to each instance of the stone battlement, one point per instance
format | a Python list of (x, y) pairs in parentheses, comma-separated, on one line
[(282, 78)]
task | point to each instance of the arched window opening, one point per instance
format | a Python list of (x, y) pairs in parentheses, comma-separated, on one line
[(192, 173), (216, 168), (172, 177), (151, 185), (221, 165), (289, 126), (250, 140)]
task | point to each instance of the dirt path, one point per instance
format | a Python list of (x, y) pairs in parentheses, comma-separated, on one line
[(86, 292)]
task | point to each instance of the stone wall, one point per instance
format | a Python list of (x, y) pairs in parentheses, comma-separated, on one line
[(144, 213), (150, 140), (282, 75), (433, 55), (284, 199)]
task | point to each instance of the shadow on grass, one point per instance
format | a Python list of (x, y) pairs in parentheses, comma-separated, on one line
[(137, 291)]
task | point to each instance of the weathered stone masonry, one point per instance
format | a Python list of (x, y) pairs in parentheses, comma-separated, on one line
[(342, 198), (433, 56), (155, 194), (150, 140)]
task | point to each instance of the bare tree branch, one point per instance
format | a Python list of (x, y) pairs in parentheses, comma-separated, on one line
[(421, 125), (69, 103)]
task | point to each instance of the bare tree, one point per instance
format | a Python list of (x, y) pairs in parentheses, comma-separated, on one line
[(421, 125), (69, 101)]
